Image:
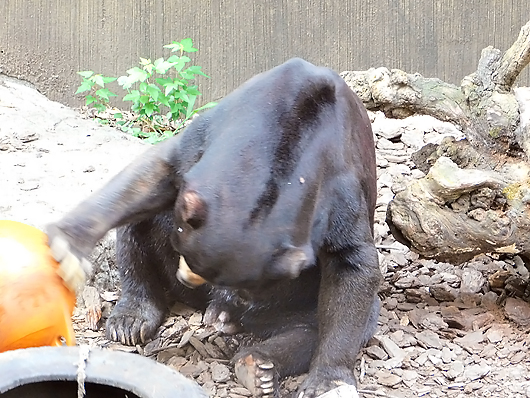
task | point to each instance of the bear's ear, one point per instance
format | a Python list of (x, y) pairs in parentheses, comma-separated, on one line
[(292, 261), (193, 209)]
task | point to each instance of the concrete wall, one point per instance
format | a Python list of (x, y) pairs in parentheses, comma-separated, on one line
[(47, 41)]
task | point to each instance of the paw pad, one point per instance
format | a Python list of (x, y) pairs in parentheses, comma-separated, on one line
[(258, 376)]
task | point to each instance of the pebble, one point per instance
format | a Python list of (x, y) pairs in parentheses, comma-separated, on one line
[(392, 349), (376, 352), (456, 369), (388, 379), (220, 372), (472, 281), (475, 372), (471, 341), (430, 339)]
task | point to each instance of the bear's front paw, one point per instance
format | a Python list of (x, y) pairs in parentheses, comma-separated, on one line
[(321, 380), (135, 323), (73, 265)]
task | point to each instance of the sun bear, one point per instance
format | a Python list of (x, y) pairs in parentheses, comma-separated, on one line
[(267, 202)]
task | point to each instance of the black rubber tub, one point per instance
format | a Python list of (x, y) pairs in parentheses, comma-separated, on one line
[(60, 372)]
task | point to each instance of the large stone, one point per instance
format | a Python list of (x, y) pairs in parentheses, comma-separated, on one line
[(517, 311), (471, 281), (430, 339), (471, 341), (475, 372), (392, 348)]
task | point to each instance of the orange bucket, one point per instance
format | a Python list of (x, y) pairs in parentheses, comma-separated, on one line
[(35, 305)]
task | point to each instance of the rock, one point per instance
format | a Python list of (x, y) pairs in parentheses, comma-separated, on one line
[(220, 372), (385, 196), (443, 292), (241, 391), (409, 377), (454, 318), (447, 355), (489, 300), (390, 303), (471, 341), (413, 138), (388, 379), (383, 143), (430, 339), (344, 391), (471, 281), (456, 369), (469, 388), (392, 348), (498, 279), (190, 370), (387, 128), (403, 339), (433, 321), (435, 356), (475, 372), (376, 352), (517, 311)]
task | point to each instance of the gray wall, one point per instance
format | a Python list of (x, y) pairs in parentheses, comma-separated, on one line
[(47, 41)]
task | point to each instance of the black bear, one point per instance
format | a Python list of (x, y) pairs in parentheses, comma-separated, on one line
[(269, 198)]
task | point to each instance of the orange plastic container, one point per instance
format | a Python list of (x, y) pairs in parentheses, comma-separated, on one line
[(35, 305)]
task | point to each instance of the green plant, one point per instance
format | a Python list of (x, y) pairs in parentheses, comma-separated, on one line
[(161, 92), (99, 98)]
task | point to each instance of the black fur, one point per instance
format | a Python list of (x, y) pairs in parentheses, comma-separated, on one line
[(270, 197)]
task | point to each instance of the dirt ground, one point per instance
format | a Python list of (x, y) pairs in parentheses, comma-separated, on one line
[(445, 330)]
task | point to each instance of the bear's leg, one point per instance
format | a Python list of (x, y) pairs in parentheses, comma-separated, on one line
[(260, 366), (147, 265)]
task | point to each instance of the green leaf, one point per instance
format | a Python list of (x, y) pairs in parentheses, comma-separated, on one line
[(143, 87), (163, 100), (100, 107), (145, 62), (187, 46), (144, 99), (208, 105), (174, 85), (98, 79), (118, 115), (134, 95), (162, 66), (105, 93), (191, 103), (86, 74), (178, 62), (174, 46), (135, 75), (176, 108), (164, 81), (149, 108), (86, 85), (108, 79), (196, 70), (192, 90), (89, 99), (185, 74), (153, 91)]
